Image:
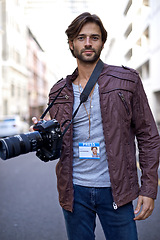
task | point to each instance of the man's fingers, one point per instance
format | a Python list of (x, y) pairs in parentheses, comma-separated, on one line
[(145, 213), (147, 208), (34, 119), (139, 204)]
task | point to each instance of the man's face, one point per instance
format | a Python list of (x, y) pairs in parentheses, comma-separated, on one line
[(87, 46), (94, 150)]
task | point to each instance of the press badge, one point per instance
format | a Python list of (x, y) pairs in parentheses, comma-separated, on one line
[(89, 150)]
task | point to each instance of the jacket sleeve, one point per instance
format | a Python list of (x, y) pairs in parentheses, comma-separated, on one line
[(148, 142)]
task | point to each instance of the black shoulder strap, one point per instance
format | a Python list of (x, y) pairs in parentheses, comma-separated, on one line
[(84, 95), (88, 88), (92, 81)]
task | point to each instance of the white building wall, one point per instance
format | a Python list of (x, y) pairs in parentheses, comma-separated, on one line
[(14, 78), (137, 45)]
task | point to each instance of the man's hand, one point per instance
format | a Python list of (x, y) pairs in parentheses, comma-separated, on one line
[(147, 207), (34, 119)]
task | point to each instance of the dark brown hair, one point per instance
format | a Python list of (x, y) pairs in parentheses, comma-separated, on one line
[(75, 27), (94, 147)]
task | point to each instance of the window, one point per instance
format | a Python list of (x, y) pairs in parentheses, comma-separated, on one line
[(144, 70), (128, 31), (157, 108), (139, 42), (145, 38), (12, 90), (146, 34), (5, 108), (128, 55), (144, 41), (146, 3), (128, 7)]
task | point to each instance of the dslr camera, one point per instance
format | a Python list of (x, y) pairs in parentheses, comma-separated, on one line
[(46, 140)]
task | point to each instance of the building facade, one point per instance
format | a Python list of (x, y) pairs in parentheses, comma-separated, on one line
[(37, 77), (14, 85), (25, 72), (137, 45)]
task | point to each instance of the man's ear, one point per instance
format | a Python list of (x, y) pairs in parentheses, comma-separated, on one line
[(71, 44)]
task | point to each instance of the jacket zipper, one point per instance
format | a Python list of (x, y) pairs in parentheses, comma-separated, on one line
[(124, 102)]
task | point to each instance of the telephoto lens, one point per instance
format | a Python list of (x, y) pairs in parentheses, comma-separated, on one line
[(20, 144), (46, 140)]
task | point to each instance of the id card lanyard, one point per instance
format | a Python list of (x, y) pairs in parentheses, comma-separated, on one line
[(88, 112)]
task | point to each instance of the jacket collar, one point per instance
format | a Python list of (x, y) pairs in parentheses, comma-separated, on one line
[(74, 75), (71, 78)]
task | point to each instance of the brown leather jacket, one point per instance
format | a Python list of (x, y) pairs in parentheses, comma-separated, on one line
[(125, 114)]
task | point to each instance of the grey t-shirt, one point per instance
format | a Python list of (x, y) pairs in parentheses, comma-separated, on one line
[(89, 172)]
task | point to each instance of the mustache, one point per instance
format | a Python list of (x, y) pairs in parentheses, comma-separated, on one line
[(87, 48)]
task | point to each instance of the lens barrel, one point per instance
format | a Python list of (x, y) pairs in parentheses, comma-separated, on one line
[(20, 144)]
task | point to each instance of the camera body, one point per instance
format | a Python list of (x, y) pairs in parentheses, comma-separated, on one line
[(52, 139), (46, 140)]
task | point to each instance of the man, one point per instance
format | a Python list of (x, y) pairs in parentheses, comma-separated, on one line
[(115, 112)]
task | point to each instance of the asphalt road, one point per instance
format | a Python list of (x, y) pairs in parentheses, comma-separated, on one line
[(29, 208)]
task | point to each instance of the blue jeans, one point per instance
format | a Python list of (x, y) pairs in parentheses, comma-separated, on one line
[(88, 201)]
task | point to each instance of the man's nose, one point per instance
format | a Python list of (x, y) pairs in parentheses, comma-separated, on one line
[(88, 41)]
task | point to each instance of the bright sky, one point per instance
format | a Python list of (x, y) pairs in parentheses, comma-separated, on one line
[(50, 22)]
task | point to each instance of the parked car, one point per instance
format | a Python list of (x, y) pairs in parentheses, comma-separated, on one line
[(12, 125)]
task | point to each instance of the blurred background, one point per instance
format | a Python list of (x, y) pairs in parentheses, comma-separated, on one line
[(35, 53)]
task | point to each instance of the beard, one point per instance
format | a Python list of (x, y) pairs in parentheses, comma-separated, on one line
[(87, 58)]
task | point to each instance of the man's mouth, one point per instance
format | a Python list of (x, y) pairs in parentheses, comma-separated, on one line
[(88, 51)]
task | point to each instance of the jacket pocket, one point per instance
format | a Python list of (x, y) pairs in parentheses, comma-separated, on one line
[(62, 99), (118, 101), (122, 97)]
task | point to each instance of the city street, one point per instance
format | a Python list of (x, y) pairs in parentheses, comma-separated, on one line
[(29, 208)]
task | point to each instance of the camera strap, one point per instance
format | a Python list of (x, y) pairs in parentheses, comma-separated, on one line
[(84, 95), (52, 103), (87, 90), (91, 82)]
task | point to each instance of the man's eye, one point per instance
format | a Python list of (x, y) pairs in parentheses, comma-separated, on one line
[(80, 38), (95, 38)]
